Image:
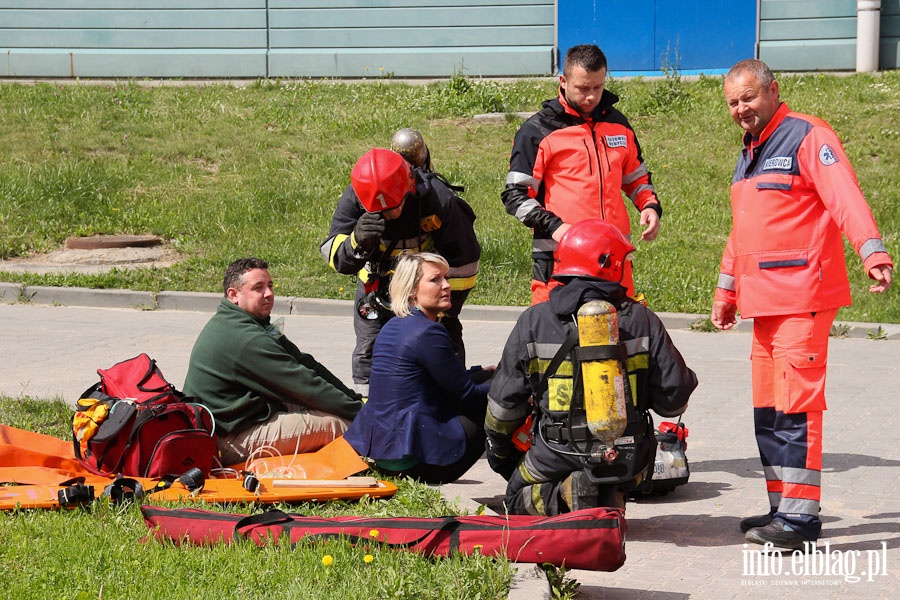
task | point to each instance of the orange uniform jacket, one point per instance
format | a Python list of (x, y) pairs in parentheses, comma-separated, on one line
[(792, 194), (564, 168)]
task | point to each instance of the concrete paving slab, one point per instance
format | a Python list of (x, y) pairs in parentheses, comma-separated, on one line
[(687, 544), (683, 545)]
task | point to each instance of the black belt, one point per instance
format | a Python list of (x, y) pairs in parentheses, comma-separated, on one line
[(561, 434)]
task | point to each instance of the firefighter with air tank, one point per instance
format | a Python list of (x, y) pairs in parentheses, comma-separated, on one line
[(579, 374)]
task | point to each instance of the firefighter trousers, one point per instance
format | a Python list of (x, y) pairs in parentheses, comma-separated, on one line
[(536, 485)]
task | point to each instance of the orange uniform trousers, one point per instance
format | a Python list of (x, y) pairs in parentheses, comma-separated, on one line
[(789, 356)]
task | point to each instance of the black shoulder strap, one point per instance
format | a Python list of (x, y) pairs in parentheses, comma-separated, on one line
[(427, 176), (459, 189), (567, 346)]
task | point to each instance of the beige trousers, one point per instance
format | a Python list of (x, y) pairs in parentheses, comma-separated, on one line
[(296, 431)]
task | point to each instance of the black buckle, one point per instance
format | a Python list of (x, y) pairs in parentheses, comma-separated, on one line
[(77, 493), (251, 482), (124, 490), (192, 480)]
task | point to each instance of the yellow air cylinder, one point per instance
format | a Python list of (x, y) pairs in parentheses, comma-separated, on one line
[(602, 373)]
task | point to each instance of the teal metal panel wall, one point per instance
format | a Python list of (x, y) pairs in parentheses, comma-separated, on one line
[(411, 38), (276, 38), (810, 35), (889, 48), (133, 38), (407, 38)]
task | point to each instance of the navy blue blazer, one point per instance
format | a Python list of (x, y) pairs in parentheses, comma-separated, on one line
[(417, 390)]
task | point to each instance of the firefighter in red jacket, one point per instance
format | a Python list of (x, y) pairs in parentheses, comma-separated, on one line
[(792, 195), (572, 160)]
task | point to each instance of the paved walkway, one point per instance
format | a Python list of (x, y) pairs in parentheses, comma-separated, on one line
[(684, 545)]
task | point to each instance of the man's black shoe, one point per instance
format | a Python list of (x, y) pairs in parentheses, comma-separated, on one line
[(778, 535), (756, 521)]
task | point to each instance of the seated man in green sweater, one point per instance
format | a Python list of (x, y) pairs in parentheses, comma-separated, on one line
[(263, 391)]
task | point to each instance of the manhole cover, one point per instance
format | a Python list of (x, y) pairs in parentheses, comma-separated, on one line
[(97, 254), (100, 242)]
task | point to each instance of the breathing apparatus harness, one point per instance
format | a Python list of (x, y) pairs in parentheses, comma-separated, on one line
[(377, 302), (604, 463)]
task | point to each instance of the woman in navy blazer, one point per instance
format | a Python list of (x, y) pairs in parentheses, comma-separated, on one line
[(425, 416)]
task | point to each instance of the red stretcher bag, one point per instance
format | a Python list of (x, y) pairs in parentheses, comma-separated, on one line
[(592, 539)]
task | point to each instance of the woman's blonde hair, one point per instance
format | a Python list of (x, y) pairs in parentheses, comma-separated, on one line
[(405, 280)]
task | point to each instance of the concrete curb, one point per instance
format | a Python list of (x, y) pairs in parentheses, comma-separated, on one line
[(207, 302)]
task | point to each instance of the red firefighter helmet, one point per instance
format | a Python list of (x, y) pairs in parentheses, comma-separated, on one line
[(381, 179), (592, 248)]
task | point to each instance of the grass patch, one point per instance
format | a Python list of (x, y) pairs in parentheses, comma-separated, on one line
[(100, 553), (222, 171)]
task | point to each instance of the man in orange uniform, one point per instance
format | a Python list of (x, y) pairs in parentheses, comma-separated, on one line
[(571, 161), (792, 195)]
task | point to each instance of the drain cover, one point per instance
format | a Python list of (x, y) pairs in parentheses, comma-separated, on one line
[(100, 242)]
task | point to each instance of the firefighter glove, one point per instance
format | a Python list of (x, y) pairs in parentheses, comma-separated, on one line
[(368, 231)]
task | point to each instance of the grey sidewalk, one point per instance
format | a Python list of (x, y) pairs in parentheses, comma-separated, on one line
[(684, 545)]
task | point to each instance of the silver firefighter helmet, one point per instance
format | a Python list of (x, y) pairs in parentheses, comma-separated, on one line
[(410, 144)]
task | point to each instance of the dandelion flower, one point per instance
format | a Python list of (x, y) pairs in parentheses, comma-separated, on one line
[(328, 560), (373, 533), (368, 558)]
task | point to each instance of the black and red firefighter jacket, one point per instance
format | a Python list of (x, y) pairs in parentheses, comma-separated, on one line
[(659, 380)]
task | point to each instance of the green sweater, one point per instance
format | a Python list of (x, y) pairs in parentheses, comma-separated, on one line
[(245, 372)]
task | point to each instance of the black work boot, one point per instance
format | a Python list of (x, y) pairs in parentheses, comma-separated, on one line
[(578, 492), (610, 496), (778, 534), (757, 521)]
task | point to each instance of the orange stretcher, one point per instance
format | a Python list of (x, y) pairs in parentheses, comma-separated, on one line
[(36, 467)]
